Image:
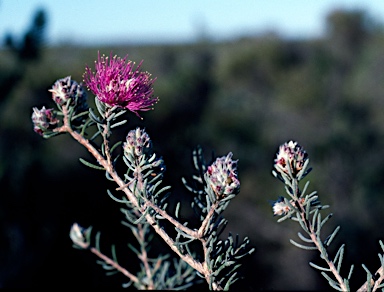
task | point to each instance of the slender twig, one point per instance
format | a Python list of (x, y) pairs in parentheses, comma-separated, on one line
[(381, 278), (140, 236), (375, 284), (207, 218), (315, 239), (111, 262), (172, 220), (197, 234), (320, 247)]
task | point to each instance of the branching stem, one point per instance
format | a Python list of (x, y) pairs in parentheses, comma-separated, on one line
[(140, 236), (106, 163), (374, 284)]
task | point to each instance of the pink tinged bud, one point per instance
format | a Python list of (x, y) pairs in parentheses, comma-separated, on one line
[(79, 236), (280, 207), (116, 83), (222, 176), (66, 89), (43, 120), (291, 155), (136, 142)]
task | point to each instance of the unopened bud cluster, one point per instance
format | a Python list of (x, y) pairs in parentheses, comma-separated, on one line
[(222, 176), (291, 159), (137, 142), (66, 89), (43, 120)]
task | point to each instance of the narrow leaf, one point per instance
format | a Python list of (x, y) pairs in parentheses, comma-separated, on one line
[(303, 246), (319, 268), (90, 164), (332, 236), (303, 238)]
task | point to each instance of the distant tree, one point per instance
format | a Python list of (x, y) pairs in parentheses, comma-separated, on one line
[(29, 48), (347, 31)]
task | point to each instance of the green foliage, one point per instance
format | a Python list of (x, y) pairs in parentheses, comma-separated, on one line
[(307, 90)]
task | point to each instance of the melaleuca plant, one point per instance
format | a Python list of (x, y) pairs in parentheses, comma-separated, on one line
[(291, 165), (121, 89)]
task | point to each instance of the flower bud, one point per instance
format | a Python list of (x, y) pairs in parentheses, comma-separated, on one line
[(80, 236), (137, 142), (281, 207), (222, 176), (43, 120), (291, 158), (65, 89)]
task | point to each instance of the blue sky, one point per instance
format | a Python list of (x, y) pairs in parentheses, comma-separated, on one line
[(146, 21)]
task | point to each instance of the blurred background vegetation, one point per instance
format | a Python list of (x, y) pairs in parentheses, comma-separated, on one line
[(247, 95)]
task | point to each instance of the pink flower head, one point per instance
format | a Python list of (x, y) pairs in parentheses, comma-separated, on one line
[(116, 83)]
